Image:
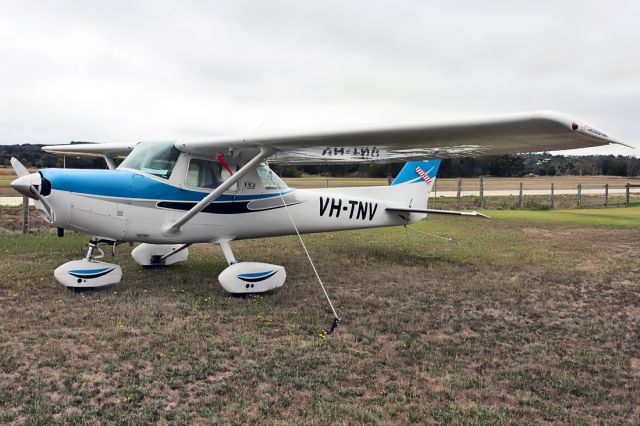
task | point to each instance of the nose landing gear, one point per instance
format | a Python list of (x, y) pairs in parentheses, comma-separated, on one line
[(89, 272)]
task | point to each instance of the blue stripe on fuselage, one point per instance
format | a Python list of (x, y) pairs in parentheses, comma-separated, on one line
[(128, 184)]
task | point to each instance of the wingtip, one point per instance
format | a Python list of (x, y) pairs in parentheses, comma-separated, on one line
[(579, 125), (624, 144)]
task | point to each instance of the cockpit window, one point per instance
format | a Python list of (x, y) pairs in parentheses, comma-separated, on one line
[(156, 158)]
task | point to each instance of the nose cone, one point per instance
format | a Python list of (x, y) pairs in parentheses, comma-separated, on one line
[(25, 185)]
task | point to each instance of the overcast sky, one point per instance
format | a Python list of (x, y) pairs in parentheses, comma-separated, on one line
[(160, 70)]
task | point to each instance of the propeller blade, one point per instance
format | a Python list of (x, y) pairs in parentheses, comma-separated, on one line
[(19, 168)]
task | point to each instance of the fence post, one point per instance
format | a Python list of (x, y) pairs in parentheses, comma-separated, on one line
[(459, 193), (520, 199), (482, 191), (435, 194), (579, 195), (389, 180), (606, 195), (327, 183), (553, 203), (627, 195), (25, 215)]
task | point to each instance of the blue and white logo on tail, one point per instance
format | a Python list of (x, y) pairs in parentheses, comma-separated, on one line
[(418, 171)]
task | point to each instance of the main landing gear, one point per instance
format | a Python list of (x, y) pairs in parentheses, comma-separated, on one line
[(249, 277)]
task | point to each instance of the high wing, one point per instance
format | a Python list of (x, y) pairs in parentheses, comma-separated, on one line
[(519, 133), (111, 149)]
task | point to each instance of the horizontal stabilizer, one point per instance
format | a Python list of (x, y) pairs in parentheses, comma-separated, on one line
[(435, 211)]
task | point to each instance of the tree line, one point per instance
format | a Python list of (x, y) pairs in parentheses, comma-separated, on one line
[(543, 164)]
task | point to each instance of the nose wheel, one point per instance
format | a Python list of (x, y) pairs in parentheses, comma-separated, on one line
[(89, 272)]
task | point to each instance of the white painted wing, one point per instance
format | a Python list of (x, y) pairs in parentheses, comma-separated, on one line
[(521, 133), (112, 149), (511, 134)]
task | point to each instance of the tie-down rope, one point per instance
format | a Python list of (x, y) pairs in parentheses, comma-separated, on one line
[(336, 318), (447, 239)]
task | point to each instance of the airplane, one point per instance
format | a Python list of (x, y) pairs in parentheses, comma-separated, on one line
[(170, 195)]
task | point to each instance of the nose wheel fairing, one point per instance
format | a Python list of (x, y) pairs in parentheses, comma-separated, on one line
[(89, 272)]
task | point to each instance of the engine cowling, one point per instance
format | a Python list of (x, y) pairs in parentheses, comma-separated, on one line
[(252, 277)]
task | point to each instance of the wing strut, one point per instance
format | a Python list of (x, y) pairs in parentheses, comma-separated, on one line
[(174, 228)]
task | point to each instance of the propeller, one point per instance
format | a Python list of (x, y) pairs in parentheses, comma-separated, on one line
[(20, 169), (28, 184)]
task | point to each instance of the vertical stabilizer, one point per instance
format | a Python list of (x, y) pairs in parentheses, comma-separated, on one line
[(413, 185)]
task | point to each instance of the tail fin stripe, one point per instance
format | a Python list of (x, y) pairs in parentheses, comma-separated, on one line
[(424, 175)]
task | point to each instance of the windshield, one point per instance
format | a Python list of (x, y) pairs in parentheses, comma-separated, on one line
[(156, 158)]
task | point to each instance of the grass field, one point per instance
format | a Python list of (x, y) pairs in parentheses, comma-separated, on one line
[(532, 317), (5, 189)]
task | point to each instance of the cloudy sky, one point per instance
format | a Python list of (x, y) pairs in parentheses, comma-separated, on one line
[(161, 70)]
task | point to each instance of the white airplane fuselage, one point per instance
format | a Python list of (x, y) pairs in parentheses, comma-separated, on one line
[(167, 200), (132, 206)]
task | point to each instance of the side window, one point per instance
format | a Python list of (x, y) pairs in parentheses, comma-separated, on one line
[(225, 175), (269, 179), (207, 174), (203, 174)]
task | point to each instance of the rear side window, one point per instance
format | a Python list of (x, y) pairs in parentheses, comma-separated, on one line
[(207, 174), (269, 179)]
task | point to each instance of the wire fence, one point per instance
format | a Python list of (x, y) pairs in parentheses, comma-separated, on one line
[(481, 195)]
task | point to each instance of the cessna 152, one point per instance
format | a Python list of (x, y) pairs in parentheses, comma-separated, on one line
[(169, 195)]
